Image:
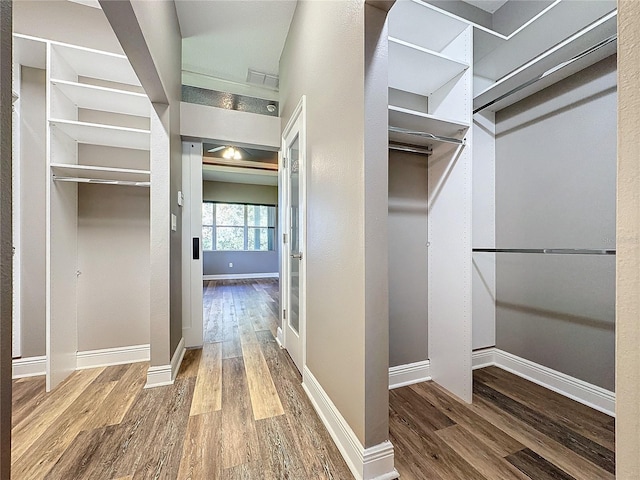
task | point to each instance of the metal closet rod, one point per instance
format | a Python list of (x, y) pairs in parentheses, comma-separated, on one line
[(430, 136), (101, 181), (401, 147), (548, 251), (582, 54)]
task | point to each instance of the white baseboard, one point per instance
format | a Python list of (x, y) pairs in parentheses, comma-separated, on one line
[(162, 375), (176, 360), (374, 463), (280, 337), (408, 374), (240, 276), (113, 356), (28, 367), (591, 395)]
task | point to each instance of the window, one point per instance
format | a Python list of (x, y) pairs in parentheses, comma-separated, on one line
[(227, 226)]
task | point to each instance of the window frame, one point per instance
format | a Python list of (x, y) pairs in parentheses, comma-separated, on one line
[(246, 227)]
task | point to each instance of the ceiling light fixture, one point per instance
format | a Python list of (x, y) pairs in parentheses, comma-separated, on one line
[(232, 154)]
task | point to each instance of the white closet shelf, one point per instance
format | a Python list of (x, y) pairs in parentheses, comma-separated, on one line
[(496, 55), (424, 122), (549, 60), (105, 99), (29, 51), (95, 174), (419, 70), (87, 62), (418, 23), (105, 135)]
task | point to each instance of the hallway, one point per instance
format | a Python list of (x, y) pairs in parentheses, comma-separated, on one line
[(236, 411)]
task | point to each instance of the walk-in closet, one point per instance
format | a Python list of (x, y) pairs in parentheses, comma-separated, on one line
[(502, 187), (81, 178)]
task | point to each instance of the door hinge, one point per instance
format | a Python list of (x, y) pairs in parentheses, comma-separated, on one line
[(284, 163), (284, 314), (284, 238)]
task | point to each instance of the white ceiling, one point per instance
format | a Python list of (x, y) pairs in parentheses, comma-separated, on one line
[(215, 173), (222, 39), (487, 5)]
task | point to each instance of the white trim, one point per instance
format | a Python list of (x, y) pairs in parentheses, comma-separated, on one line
[(161, 375), (588, 394), (113, 356), (239, 276), (176, 360), (373, 463), (408, 374), (280, 337), (28, 367)]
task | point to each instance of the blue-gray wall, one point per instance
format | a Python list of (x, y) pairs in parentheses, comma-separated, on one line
[(217, 263)]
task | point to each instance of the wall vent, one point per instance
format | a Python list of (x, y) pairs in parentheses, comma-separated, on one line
[(263, 79)]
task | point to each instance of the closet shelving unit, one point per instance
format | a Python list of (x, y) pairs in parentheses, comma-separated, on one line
[(80, 80), (447, 77), (430, 93)]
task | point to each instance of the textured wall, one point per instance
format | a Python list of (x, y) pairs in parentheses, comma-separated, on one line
[(628, 237), (5, 240)]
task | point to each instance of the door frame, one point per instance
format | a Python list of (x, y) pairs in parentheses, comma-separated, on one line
[(298, 123), (192, 304)]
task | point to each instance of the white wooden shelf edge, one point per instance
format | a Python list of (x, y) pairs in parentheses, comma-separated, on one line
[(94, 97), (464, 65), (106, 135), (427, 116)]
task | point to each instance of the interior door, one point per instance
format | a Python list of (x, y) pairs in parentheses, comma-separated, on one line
[(294, 241)]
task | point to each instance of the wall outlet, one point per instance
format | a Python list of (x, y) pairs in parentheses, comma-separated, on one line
[(230, 264)]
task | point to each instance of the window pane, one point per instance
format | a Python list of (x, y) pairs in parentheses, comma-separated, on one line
[(207, 213), (229, 215), (260, 238), (258, 215), (207, 238), (230, 238)]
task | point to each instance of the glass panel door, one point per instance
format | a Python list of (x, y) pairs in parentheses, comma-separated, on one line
[(295, 253)]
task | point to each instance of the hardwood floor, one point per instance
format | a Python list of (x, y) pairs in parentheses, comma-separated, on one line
[(513, 430), (236, 411)]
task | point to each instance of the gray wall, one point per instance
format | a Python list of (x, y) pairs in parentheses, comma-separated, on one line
[(33, 205), (556, 188), (408, 305), (347, 338), (217, 263), (113, 256)]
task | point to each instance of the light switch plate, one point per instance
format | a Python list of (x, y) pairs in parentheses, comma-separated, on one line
[(174, 223)]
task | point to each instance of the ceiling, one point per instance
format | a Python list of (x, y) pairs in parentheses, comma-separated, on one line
[(220, 39), (487, 5)]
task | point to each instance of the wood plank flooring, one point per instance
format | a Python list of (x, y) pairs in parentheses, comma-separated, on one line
[(513, 430), (236, 411)]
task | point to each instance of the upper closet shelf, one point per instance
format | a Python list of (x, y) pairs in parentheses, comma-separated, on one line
[(418, 23), (419, 70), (104, 175), (71, 61), (29, 51), (106, 135), (105, 99), (414, 120), (586, 47), (496, 55)]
